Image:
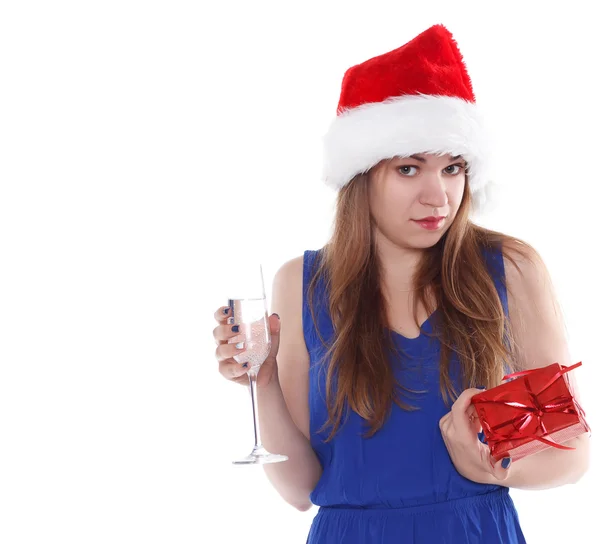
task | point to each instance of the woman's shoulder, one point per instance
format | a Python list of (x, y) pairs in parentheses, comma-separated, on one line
[(287, 297), (530, 290), (290, 270), (296, 267), (538, 322), (522, 262)]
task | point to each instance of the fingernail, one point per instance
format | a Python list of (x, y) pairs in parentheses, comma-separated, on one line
[(481, 437), (226, 311), (245, 365), (481, 387), (240, 345), (235, 328), (506, 462), (277, 315)]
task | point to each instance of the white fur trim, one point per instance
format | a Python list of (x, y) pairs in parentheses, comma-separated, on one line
[(361, 137)]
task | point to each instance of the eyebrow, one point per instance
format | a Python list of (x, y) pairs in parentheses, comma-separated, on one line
[(421, 159)]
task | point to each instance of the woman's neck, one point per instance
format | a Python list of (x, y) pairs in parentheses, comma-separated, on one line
[(398, 264)]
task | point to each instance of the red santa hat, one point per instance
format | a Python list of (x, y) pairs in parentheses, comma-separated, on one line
[(415, 99)]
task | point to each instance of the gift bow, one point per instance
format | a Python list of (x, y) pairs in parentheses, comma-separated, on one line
[(526, 424)]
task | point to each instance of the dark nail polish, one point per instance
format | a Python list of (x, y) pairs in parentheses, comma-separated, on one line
[(245, 365), (235, 328), (481, 437), (481, 387), (226, 311), (506, 462)]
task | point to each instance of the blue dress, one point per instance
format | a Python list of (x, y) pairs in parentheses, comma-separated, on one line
[(400, 485)]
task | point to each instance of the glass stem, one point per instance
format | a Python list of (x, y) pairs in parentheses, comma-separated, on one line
[(252, 375)]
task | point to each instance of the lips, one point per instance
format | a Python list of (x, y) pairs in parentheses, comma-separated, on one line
[(433, 224), (432, 218)]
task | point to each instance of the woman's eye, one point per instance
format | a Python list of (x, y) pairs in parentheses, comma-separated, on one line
[(407, 170), (457, 168)]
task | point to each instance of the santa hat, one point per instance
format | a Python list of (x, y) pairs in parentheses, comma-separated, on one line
[(415, 99)]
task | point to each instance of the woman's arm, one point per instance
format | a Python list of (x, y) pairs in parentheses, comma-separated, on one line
[(540, 340), (283, 403)]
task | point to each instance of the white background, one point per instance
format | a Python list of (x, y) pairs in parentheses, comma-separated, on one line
[(146, 144)]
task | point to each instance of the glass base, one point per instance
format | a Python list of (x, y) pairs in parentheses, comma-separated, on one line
[(260, 456)]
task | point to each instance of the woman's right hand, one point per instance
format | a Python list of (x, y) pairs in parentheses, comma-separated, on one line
[(228, 366)]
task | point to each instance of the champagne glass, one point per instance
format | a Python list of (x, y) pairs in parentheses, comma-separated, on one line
[(249, 312)]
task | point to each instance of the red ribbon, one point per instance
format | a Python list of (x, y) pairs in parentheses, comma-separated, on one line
[(530, 421)]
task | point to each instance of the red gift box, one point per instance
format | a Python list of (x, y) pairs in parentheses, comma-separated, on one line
[(533, 411)]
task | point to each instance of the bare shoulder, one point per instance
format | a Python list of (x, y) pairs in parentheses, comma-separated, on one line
[(522, 263), (287, 295), (290, 272), (536, 318), (292, 358), (527, 277), (287, 290)]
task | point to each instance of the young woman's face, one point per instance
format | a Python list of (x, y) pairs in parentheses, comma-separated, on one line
[(404, 190)]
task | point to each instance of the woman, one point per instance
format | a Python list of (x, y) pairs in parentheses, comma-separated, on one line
[(388, 331)]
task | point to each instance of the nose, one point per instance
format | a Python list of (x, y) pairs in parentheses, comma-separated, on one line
[(433, 192)]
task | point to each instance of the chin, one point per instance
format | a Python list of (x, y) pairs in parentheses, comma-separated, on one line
[(426, 245), (412, 243)]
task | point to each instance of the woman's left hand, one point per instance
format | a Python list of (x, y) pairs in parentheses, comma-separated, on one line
[(472, 459)]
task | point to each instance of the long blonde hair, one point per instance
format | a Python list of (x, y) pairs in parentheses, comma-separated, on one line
[(469, 311)]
